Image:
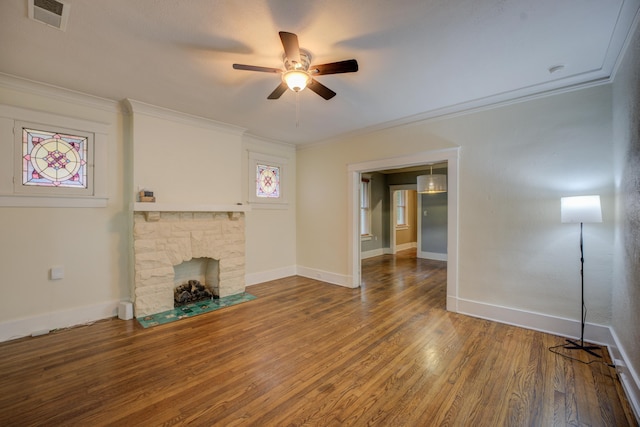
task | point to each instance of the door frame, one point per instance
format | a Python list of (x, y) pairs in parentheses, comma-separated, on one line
[(354, 170)]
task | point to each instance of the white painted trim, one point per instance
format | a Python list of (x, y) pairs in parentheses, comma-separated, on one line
[(267, 276), (269, 141), (372, 253), (136, 107), (432, 255), (43, 323), (327, 276), (595, 333), (187, 207), (99, 197), (392, 214), (255, 158), (628, 376), (629, 17), (452, 157), (46, 118), (55, 92), (353, 226), (24, 201), (598, 334), (405, 246)]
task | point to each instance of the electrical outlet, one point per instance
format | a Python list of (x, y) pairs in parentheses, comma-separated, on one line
[(57, 273)]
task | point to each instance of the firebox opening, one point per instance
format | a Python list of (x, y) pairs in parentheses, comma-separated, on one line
[(192, 291), (195, 280)]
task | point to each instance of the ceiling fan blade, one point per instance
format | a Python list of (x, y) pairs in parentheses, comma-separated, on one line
[(291, 46), (256, 68), (348, 66), (277, 93), (321, 89)]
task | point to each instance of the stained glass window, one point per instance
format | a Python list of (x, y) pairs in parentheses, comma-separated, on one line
[(267, 181), (52, 159)]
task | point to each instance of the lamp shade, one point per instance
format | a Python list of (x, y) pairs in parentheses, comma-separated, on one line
[(578, 209), (431, 184)]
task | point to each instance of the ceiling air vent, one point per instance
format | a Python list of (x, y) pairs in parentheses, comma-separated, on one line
[(51, 12)]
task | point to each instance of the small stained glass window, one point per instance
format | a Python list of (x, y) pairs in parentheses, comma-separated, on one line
[(52, 159), (267, 181)]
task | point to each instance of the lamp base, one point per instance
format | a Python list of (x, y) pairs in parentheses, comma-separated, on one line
[(580, 346)]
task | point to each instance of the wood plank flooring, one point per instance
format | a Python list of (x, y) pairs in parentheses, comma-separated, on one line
[(309, 353)]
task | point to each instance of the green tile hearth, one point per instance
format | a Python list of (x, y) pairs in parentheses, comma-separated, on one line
[(193, 309)]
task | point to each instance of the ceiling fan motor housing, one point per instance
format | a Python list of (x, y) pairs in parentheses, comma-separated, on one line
[(303, 65), (297, 75)]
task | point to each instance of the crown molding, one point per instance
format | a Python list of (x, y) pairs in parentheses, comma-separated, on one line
[(50, 91), (133, 107)]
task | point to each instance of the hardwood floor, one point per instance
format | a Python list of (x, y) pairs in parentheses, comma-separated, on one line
[(309, 353)]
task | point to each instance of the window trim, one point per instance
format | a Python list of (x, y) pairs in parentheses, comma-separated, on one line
[(10, 117), (48, 191), (405, 220), (367, 214), (255, 159)]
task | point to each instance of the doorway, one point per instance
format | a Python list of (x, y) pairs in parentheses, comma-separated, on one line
[(451, 156)]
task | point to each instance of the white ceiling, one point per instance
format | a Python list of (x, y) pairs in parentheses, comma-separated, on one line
[(417, 58)]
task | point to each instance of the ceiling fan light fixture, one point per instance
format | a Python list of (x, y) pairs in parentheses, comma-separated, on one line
[(296, 80)]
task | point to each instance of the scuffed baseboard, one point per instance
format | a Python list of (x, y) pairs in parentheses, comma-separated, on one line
[(44, 323), (628, 376)]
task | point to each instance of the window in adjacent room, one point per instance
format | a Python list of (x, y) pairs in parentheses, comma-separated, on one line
[(365, 206), (401, 208)]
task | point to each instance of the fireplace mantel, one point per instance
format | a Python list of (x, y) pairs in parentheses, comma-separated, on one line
[(187, 207)]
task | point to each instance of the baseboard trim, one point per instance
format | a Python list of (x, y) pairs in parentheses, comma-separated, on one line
[(405, 246), (594, 333), (628, 376), (267, 276), (372, 253), (569, 328), (433, 255), (326, 276), (44, 323)]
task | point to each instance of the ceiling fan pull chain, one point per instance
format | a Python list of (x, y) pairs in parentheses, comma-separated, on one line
[(297, 109)]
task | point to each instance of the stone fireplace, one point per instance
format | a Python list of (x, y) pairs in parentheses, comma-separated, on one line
[(166, 240)]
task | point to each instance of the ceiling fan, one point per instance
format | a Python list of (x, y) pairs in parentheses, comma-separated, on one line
[(298, 73)]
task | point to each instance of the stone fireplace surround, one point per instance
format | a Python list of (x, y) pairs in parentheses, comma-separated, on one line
[(166, 236)]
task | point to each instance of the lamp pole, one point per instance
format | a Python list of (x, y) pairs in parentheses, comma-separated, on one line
[(572, 344)]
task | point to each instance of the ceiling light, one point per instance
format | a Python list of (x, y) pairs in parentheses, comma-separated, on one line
[(431, 184), (296, 80)]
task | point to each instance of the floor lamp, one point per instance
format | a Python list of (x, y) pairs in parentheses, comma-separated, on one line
[(581, 209)]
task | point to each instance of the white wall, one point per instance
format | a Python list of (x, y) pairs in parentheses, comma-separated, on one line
[(516, 163), (185, 159), (270, 230), (626, 278), (147, 147), (91, 243)]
